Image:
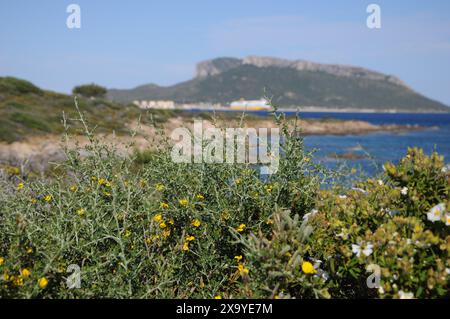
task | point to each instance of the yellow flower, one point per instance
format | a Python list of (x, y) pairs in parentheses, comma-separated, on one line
[(102, 182), (17, 281), (237, 181), (43, 282), (238, 258), (200, 197), (93, 178), (183, 202), (268, 188), (25, 273), (163, 205), (190, 238), (33, 201), (20, 186), (166, 233), (162, 225), (240, 228), (242, 269), (159, 187), (269, 221), (48, 198), (171, 222), (127, 233), (186, 247), (107, 194), (196, 223), (81, 212), (157, 218), (308, 268), (217, 297), (73, 188), (29, 250), (2, 261)]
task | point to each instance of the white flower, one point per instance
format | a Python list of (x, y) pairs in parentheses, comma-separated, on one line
[(360, 190), (405, 295), (435, 212), (311, 213), (381, 290), (447, 219), (446, 168), (404, 191), (380, 182), (366, 250), (342, 196), (447, 270)]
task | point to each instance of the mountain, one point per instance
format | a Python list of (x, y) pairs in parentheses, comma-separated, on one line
[(291, 83)]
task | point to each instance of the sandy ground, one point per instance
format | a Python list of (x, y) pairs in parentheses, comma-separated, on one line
[(36, 152)]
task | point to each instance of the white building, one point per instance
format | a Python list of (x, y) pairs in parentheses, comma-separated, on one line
[(155, 104)]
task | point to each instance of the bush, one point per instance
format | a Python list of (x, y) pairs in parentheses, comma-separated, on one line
[(89, 90), (142, 226)]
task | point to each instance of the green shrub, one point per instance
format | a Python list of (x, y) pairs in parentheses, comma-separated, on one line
[(89, 90)]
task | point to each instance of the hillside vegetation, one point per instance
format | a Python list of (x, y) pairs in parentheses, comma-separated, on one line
[(28, 110)]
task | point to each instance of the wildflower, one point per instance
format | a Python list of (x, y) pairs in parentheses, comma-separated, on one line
[(73, 188), (2, 261), (17, 281), (196, 223), (48, 198), (157, 218), (171, 222), (43, 282), (435, 212), (238, 258), (342, 196), (240, 228), (190, 238), (404, 191), (29, 250), (159, 187), (242, 269), (447, 219), (237, 181), (33, 201), (217, 297), (163, 205), (81, 212), (446, 168), (269, 221), (367, 250), (166, 233), (200, 197), (162, 225), (360, 190), (308, 268), (183, 202), (405, 295), (268, 188), (107, 194), (186, 247), (102, 182), (127, 233), (308, 215), (20, 186), (93, 178), (380, 182), (25, 273)]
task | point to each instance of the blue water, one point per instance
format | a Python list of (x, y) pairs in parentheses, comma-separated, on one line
[(377, 148)]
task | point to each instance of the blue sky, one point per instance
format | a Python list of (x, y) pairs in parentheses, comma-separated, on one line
[(123, 44)]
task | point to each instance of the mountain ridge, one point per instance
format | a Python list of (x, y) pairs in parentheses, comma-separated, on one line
[(292, 83)]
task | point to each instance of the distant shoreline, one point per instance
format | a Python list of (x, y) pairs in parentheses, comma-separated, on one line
[(307, 110)]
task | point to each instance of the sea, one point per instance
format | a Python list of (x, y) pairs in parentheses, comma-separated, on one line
[(374, 149)]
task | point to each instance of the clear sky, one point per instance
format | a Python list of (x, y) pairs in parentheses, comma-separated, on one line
[(122, 44)]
